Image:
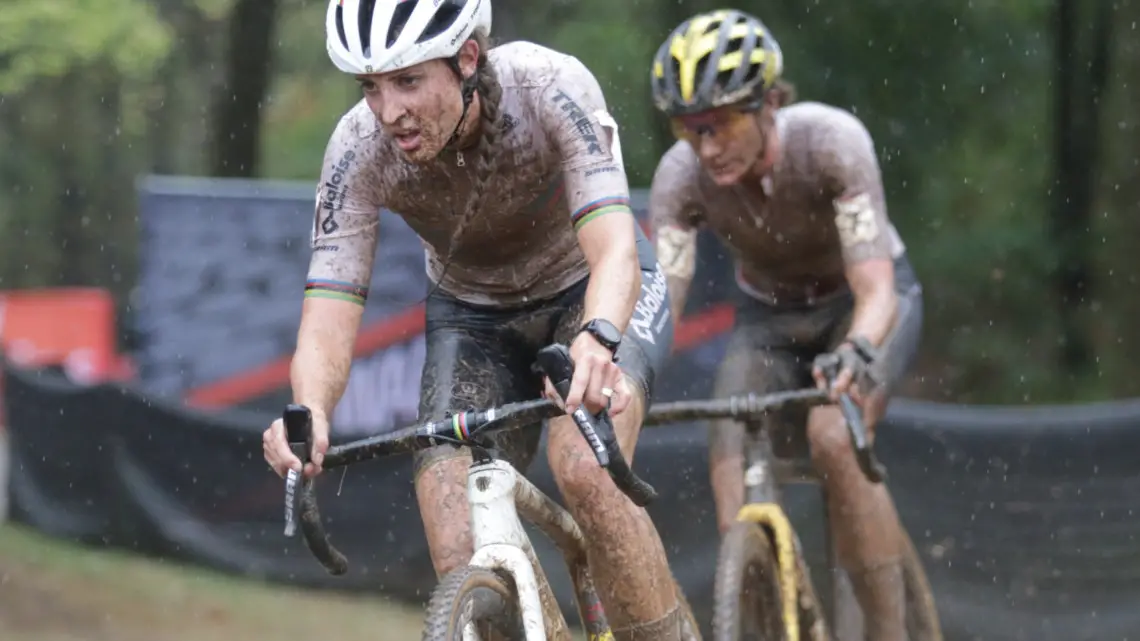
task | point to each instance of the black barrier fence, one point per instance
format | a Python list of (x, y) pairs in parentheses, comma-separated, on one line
[(1026, 518)]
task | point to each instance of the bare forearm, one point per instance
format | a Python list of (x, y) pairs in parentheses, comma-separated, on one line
[(678, 294), (677, 253), (615, 282), (874, 314), (323, 359)]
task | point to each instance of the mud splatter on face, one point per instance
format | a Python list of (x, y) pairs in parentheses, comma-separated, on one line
[(417, 107)]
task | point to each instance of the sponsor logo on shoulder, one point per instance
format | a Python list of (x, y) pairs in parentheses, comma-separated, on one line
[(581, 122), (331, 195)]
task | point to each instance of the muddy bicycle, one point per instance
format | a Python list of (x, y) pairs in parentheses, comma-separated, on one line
[(502, 589), (763, 588)]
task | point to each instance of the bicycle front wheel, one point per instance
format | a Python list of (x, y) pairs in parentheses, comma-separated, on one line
[(748, 597), (477, 599), (921, 612)]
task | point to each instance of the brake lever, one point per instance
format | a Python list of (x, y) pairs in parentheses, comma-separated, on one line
[(874, 470), (554, 361), (298, 421)]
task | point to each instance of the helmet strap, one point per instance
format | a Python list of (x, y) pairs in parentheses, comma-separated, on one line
[(467, 89)]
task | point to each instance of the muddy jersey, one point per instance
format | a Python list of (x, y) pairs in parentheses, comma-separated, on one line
[(793, 233), (559, 166)]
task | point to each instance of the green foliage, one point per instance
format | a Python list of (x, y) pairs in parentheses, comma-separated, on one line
[(307, 98), (957, 97), (47, 38)]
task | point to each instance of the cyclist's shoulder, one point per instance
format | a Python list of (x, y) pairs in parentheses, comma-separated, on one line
[(356, 150), (817, 126), (357, 126), (525, 66), (530, 70), (676, 187), (678, 166), (357, 134)]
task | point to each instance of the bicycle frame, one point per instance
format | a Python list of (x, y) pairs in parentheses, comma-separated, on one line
[(763, 505), (497, 494), (763, 475)]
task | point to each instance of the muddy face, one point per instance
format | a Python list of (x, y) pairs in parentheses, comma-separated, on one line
[(731, 141), (420, 106)]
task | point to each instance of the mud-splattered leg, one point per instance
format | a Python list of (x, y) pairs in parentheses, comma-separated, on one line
[(748, 367), (459, 373), (625, 552), (866, 528), (467, 369)]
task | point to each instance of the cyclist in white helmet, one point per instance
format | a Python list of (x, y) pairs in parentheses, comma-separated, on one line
[(508, 166)]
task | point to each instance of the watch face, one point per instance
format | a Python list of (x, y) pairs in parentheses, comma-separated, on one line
[(607, 332)]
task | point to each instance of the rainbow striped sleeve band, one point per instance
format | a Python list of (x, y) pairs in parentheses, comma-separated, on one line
[(599, 208), (317, 288)]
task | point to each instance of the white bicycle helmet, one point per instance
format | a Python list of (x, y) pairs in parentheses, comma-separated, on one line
[(377, 36)]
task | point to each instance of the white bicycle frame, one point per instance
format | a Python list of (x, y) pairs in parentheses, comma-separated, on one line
[(497, 493)]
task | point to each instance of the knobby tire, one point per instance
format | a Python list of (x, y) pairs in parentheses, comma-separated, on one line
[(921, 613), (747, 599), (473, 595)]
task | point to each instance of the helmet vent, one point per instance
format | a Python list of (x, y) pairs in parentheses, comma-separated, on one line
[(400, 16), (340, 26), (444, 17), (363, 21)]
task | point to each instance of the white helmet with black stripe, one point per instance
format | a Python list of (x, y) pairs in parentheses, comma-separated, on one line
[(377, 36)]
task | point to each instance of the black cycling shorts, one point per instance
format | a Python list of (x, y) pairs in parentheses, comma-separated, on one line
[(773, 346), (481, 356)]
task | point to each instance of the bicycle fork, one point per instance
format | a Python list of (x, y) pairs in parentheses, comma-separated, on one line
[(501, 544), (763, 507)]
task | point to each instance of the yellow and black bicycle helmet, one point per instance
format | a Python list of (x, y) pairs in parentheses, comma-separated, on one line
[(715, 59)]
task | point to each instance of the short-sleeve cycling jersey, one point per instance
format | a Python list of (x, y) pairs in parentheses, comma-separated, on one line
[(559, 166), (820, 209)]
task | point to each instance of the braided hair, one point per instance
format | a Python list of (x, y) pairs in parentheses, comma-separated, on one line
[(486, 163)]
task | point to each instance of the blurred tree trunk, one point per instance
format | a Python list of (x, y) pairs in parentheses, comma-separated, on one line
[(1120, 192), (172, 113), (236, 128), (1079, 81)]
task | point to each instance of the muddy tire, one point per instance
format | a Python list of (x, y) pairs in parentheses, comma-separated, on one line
[(476, 596), (747, 598), (921, 613)]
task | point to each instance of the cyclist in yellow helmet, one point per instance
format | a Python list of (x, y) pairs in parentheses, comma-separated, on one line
[(794, 192)]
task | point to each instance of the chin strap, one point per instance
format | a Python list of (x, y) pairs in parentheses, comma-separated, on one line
[(468, 90)]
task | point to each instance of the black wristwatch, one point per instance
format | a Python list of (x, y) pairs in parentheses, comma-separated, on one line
[(605, 333)]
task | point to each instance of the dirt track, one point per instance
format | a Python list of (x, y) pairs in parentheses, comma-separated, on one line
[(51, 591)]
